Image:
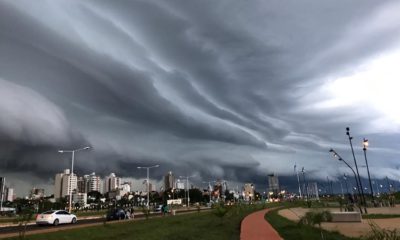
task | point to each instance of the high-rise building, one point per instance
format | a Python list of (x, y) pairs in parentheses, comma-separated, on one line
[(273, 184), (111, 182), (180, 185), (82, 184), (80, 198), (169, 181), (36, 193), (248, 191), (9, 194), (58, 184), (126, 187), (64, 184), (152, 187), (92, 182)]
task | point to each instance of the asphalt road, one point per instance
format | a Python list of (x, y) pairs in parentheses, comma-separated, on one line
[(10, 230), (33, 227)]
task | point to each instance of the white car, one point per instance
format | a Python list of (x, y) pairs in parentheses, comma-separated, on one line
[(55, 217)]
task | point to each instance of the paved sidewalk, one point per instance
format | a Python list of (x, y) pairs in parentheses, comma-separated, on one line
[(255, 227)]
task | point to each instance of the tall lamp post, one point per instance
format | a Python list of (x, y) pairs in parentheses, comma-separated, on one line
[(305, 184), (365, 146), (345, 180), (209, 188), (355, 163), (72, 171), (298, 179), (335, 154), (187, 188), (148, 185)]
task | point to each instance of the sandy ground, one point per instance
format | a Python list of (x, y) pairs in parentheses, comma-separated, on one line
[(350, 229)]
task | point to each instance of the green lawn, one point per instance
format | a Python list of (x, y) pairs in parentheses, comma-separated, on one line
[(292, 231), (203, 225)]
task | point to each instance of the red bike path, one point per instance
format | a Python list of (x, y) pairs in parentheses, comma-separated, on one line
[(255, 227)]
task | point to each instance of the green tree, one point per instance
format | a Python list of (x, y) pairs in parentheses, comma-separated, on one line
[(195, 195), (22, 220), (220, 210)]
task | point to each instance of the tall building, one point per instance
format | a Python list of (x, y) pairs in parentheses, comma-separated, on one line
[(36, 193), (80, 198), (152, 187), (111, 182), (179, 184), (82, 184), (58, 183), (93, 182), (64, 184), (10, 196), (169, 181), (248, 191), (126, 187), (273, 184)]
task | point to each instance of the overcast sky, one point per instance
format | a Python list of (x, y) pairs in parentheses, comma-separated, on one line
[(232, 90)]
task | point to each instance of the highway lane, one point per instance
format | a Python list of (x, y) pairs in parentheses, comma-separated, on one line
[(32, 228)]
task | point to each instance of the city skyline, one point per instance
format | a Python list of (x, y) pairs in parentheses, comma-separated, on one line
[(228, 90)]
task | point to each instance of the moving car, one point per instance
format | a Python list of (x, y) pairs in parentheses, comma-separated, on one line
[(55, 217), (116, 214)]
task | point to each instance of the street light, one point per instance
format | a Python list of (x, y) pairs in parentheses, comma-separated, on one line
[(298, 179), (187, 188), (148, 185), (365, 146), (209, 185), (305, 185), (355, 163), (335, 154), (345, 179), (72, 171)]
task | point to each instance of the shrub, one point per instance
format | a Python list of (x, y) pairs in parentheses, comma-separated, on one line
[(378, 233)]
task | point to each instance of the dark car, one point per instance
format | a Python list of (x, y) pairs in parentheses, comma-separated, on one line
[(116, 214)]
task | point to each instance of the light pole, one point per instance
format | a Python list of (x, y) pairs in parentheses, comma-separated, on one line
[(345, 180), (335, 154), (365, 146), (305, 185), (209, 188), (72, 171), (148, 185), (298, 179), (358, 174), (187, 188)]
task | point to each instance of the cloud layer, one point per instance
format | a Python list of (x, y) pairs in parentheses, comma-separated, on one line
[(216, 89)]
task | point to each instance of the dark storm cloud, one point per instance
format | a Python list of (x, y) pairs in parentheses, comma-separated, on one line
[(215, 89)]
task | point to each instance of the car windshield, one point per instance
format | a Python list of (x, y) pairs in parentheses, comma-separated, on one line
[(48, 212)]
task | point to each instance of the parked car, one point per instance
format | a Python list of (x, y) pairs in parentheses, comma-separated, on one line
[(55, 217), (115, 214), (157, 208)]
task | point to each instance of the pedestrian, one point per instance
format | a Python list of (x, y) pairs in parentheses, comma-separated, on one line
[(132, 213), (165, 209)]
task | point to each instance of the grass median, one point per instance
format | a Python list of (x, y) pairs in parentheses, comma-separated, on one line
[(199, 225), (290, 230)]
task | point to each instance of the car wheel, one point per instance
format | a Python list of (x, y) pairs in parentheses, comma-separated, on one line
[(73, 220), (56, 222)]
